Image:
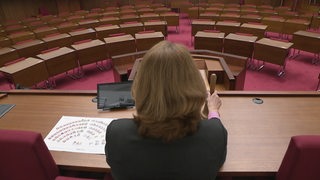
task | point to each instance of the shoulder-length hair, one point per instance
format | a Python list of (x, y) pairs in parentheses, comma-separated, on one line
[(169, 93)]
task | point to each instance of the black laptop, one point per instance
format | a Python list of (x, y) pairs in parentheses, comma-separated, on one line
[(114, 95)]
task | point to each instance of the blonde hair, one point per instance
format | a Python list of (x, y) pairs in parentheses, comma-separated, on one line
[(169, 93)]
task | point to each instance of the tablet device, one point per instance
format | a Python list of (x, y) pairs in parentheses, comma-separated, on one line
[(114, 95)]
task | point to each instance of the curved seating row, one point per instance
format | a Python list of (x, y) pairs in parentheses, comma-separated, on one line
[(45, 65)]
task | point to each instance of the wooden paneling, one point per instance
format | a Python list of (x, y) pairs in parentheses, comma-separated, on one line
[(20, 9)]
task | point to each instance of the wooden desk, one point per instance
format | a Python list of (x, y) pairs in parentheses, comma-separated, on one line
[(120, 45), (210, 16), (88, 23), (44, 31), (145, 41), (228, 27), (105, 31), (132, 28), (30, 48), (156, 26), (109, 20), (275, 24), (272, 51), (209, 40), (21, 36), (307, 41), (57, 40), (59, 61), (290, 26), (250, 18), (67, 27), (129, 18), (7, 54), (149, 16), (229, 17), (15, 28), (171, 18), (5, 41), (26, 73), (255, 29), (91, 51), (240, 45), (200, 25), (258, 135), (82, 34)]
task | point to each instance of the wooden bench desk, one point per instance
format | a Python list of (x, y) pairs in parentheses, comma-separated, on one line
[(156, 26), (275, 24), (247, 18), (21, 36), (90, 52), (255, 29), (120, 44), (258, 134), (145, 41), (5, 41), (200, 25), (272, 51), (209, 40), (44, 31), (291, 26), (228, 27), (82, 34), (89, 23), (210, 16), (241, 45), (132, 28), (149, 16), (7, 54), (59, 61), (105, 30), (30, 48), (26, 73), (57, 40), (109, 20), (171, 18), (307, 41), (67, 27)]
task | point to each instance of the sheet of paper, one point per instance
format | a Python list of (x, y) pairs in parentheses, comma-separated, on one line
[(78, 134)]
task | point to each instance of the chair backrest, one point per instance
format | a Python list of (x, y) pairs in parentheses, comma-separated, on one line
[(302, 159), (24, 155)]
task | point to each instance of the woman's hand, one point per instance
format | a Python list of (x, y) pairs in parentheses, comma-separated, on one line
[(213, 102)]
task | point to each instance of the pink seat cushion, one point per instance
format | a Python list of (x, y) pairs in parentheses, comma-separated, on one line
[(302, 159), (24, 155)]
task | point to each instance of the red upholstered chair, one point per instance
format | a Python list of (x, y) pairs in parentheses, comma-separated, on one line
[(302, 159), (24, 155)]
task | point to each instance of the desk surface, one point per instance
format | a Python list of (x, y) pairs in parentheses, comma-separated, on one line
[(121, 38), (254, 26), (29, 43), (275, 43), (308, 34), (244, 38), (258, 134), (21, 65), (226, 23), (82, 31), (210, 34), (88, 44), (55, 37), (149, 35), (55, 53)]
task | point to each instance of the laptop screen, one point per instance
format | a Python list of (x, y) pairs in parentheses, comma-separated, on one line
[(114, 95)]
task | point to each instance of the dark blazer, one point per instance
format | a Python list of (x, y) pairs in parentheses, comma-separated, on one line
[(198, 156)]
